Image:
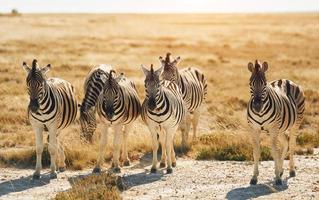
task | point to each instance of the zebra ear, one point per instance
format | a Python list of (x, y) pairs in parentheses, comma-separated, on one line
[(119, 77), (265, 66), (26, 67), (251, 67), (162, 60), (45, 69), (146, 72), (176, 60), (159, 71)]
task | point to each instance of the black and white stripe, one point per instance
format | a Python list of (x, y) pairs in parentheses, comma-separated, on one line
[(93, 87), (277, 108), (162, 109), (194, 90), (52, 106), (116, 101)]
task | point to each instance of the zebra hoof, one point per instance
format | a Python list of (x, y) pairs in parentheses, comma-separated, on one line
[(173, 164), (253, 181), (127, 163), (169, 170), (292, 173), (62, 169), (53, 175), (153, 170), (36, 176), (116, 170), (97, 170), (162, 165), (278, 182)]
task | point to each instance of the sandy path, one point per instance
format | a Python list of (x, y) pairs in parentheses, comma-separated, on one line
[(190, 180)]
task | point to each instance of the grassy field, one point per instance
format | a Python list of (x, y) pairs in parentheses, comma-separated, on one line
[(220, 45)]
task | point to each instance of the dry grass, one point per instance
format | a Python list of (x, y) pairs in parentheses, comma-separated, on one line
[(220, 45), (94, 187)]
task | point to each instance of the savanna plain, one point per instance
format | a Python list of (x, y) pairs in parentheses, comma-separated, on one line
[(220, 45)]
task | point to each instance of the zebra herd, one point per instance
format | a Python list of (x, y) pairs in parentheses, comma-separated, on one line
[(173, 100)]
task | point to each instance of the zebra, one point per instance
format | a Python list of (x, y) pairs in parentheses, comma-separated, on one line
[(194, 90), (117, 105), (93, 87), (52, 107), (163, 109), (276, 107)]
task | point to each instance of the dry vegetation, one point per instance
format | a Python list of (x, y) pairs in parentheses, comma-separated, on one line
[(104, 186), (219, 45)]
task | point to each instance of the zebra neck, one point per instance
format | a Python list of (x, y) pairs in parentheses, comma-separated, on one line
[(90, 98), (48, 100), (118, 100), (160, 98)]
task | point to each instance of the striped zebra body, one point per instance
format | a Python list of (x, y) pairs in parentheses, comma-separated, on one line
[(278, 109), (58, 106), (162, 109), (171, 110), (284, 107), (194, 90), (126, 106), (53, 107), (117, 105)]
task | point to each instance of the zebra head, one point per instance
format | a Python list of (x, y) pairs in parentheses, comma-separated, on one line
[(36, 81), (258, 84), (152, 86), (111, 95), (170, 72), (87, 122)]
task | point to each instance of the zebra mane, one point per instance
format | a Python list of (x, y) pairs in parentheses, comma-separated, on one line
[(35, 72), (258, 72), (111, 82)]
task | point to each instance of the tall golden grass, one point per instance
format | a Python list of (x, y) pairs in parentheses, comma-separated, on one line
[(220, 45)]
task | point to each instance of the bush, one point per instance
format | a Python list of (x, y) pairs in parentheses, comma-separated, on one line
[(308, 139), (94, 187), (235, 152)]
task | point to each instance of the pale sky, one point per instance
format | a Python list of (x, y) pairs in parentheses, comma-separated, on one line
[(158, 6)]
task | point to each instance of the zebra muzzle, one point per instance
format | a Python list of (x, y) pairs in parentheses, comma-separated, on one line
[(151, 104), (109, 112), (34, 105)]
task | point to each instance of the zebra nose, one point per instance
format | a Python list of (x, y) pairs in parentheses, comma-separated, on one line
[(109, 112), (151, 104), (34, 105)]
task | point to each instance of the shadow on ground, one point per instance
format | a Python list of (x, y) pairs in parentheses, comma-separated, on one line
[(23, 183), (254, 191)]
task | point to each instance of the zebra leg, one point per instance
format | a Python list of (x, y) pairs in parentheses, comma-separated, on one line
[(61, 157), (173, 155), (195, 119), (169, 143), (292, 144), (154, 147), (39, 150), (53, 151), (163, 146), (275, 147), (117, 148), (103, 142), (256, 154), (126, 160), (283, 152), (185, 126)]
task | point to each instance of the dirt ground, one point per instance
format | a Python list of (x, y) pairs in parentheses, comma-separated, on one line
[(191, 179)]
